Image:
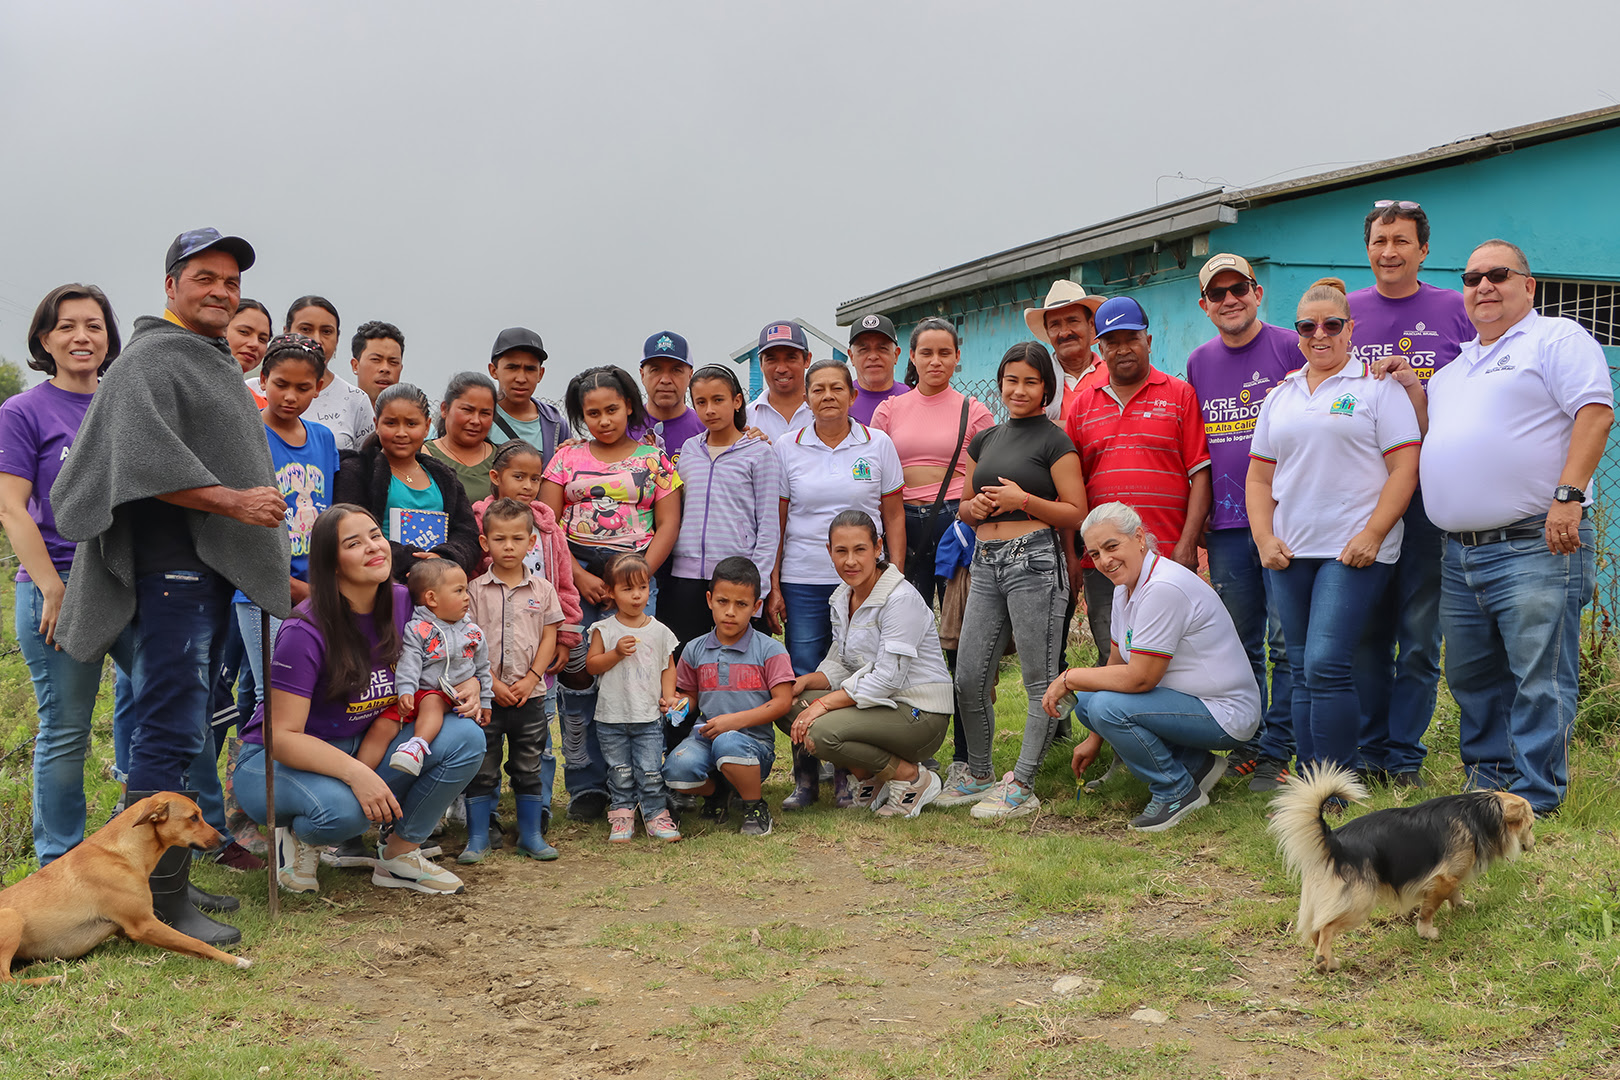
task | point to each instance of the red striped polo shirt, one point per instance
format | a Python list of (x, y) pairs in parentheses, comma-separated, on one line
[(1143, 453)]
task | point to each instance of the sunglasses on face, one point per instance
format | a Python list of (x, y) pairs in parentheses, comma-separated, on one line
[(1307, 327), (1495, 275), (1216, 293)]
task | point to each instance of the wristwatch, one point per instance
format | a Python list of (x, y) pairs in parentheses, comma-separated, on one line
[(1568, 493)]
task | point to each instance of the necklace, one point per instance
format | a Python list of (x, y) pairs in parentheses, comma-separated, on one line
[(407, 476), (448, 447)]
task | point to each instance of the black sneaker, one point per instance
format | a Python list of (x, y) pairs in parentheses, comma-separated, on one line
[(1158, 816), (1269, 774), (1209, 773), (1413, 779), (683, 802), (352, 854), (717, 807), (587, 806), (1241, 763), (756, 818)]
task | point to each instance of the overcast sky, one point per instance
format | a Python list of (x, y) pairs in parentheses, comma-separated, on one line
[(602, 171)]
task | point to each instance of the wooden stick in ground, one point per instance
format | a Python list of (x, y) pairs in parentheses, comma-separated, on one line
[(267, 730)]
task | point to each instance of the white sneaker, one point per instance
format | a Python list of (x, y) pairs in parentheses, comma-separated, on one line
[(296, 863), (906, 799), (410, 755), (412, 870), (866, 794)]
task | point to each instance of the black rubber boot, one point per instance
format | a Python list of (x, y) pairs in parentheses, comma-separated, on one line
[(175, 900)]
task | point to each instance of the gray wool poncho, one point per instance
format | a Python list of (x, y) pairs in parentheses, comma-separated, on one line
[(170, 415)]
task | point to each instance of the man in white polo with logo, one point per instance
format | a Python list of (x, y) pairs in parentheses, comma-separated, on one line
[(1067, 321), (1517, 425)]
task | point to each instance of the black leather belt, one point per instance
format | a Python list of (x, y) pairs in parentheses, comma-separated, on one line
[(1529, 529)]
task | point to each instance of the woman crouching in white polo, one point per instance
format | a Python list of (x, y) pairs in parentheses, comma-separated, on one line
[(1177, 684)]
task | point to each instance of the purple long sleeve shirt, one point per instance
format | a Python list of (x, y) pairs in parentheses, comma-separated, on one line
[(730, 507)]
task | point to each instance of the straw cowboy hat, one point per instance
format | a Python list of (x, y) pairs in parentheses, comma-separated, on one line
[(1063, 293)]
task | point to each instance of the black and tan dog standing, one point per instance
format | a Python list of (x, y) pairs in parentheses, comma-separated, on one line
[(99, 888), (1406, 857)]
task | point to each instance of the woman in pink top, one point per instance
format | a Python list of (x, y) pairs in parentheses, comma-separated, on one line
[(927, 431)]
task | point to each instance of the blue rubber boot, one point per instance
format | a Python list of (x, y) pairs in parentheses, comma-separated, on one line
[(531, 841), (478, 810)]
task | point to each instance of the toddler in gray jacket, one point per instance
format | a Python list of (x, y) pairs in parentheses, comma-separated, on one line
[(443, 648)]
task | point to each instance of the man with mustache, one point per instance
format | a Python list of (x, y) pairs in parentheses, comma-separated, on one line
[(170, 477), (1067, 322)]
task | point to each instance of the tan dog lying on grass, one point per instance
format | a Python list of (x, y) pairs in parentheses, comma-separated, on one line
[(100, 888)]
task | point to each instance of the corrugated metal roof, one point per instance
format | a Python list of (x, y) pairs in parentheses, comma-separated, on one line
[(1204, 212)]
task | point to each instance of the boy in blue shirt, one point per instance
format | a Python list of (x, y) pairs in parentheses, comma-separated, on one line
[(741, 683)]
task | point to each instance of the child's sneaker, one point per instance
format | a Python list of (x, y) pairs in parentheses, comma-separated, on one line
[(662, 827), (756, 819), (296, 863), (962, 788), (906, 799), (1007, 798), (621, 826), (412, 870), (866, 794), (717, 807), (1269, 774), (410, 755)]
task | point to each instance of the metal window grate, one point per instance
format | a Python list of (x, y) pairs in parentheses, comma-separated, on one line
[(1593, 304)]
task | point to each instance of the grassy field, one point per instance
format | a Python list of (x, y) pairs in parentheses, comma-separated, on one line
[(848, 946)]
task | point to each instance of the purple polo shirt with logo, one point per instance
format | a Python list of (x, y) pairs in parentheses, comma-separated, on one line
[(1428, 327), (37, 427), (1231, 384)]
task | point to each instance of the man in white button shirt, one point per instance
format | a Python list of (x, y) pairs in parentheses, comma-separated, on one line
[(1067, 321), (784, 357), (1517, 425)]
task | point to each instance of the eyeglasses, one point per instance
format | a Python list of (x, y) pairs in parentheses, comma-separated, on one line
[(1392, 204), (1495, 275), (1216, 293), (1307, 327)]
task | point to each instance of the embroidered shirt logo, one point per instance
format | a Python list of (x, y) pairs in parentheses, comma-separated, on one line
[(1345, 406), (861, 470), (1501, 363)]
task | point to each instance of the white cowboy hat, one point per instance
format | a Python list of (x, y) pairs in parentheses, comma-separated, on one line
[(1063, 293)]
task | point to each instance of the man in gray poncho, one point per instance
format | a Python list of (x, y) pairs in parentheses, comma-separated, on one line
[(170, 491)]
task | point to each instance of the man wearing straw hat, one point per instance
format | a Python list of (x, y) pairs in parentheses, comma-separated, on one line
[(1067, 321)]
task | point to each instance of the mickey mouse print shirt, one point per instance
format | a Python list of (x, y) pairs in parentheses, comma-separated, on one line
[(610, 503), (1329, 449), (819, 482)]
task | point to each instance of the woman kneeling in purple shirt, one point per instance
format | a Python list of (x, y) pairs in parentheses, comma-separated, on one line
[(331, 676)]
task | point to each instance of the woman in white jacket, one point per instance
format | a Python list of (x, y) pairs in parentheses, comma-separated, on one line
[(880, 702)]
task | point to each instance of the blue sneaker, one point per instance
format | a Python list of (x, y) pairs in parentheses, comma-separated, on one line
[(1006, 798), (962, 788)]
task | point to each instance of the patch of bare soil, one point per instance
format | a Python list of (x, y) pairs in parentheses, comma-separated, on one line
[(583, 968)]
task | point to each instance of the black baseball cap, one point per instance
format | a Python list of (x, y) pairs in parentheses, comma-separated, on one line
[(196, 241), (872, 324), (517, 337)]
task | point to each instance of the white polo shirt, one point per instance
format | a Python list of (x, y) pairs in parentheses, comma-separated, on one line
[(1172, 612), (1500, 418), (1329, 451), (768, 420), (820, 482)]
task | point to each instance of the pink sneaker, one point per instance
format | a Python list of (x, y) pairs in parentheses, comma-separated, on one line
[(621, 826), (662, 827)]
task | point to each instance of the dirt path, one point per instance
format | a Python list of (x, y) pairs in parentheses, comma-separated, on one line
[(627, 964)]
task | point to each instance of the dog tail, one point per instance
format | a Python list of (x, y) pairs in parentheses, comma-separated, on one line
[(1303, 835)]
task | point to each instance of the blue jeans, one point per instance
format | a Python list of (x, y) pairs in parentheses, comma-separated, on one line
[(1240, 580), (1511, 614), (634, 754), (322, 809), (583, 770), (1162, 735), (1020, 592), (168, 651), (1398, 689), (808, 633), (1324, 606), (65, 693), (249, 624), (696, 759)]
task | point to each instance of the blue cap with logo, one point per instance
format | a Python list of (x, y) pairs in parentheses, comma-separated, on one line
[(787, 333), (1120, 313), (666, 345), (196, 241)]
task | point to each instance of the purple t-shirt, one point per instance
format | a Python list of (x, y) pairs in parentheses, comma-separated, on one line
[(1428, 327), (1231, 384), (36, 428), (867, 401), (298, 667), (674, 433)]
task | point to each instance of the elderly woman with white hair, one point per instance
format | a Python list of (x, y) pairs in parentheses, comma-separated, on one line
[(1177, 684)]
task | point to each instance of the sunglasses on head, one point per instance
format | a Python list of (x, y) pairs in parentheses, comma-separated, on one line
[(1307, 327), (1216, 293), (1400, 204), (1495, 275)]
